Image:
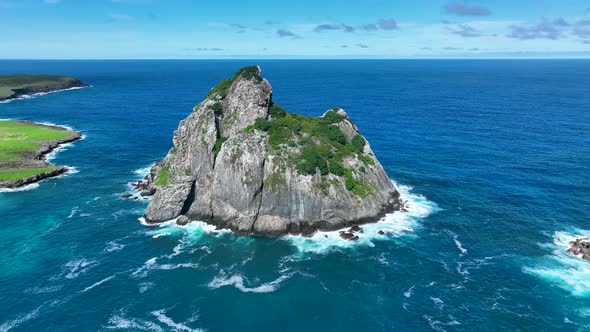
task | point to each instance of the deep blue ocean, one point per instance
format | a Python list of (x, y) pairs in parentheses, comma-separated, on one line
[(493, 156)]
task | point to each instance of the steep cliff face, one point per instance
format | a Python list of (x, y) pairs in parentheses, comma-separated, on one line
[(242, 162)]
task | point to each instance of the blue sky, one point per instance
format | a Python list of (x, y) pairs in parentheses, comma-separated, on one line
[(130, 29)]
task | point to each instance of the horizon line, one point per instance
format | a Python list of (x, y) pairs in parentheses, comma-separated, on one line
[(287, 58)]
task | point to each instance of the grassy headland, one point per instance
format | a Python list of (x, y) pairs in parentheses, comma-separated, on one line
[(22, 148), (14, 86)]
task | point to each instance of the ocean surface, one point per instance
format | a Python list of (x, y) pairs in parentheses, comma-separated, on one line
[(493, 156)]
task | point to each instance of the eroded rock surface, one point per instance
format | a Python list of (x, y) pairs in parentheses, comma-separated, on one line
[(240, 161)]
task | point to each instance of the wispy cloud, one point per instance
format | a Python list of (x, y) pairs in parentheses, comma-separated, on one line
[(382, 24), (387, 24), (465, 30), (328, 27), (463, 9), (286, 33), (546, 29)]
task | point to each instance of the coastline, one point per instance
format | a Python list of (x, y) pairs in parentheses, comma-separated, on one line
[(40, 93), (42, 154)]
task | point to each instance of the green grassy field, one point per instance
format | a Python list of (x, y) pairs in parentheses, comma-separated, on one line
[(17, 141), (12, 174), (8, 83)]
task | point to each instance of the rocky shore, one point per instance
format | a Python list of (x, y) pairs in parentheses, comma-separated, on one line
[(37, 159), (28, 85)]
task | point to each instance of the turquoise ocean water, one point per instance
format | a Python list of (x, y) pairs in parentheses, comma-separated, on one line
[(493, 157)]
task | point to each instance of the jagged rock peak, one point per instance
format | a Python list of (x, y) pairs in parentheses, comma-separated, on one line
[(240, 161)]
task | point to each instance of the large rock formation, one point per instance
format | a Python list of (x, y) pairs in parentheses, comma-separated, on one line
[(240, 161)]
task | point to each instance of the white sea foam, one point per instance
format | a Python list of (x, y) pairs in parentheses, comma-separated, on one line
[(11, 324), (563, 269), (162, 318), (238, 282), (145, 286), (113, 246), (144, 171), (394, 225), (34, 95), (152, 264), (73, 212), (120, 322), (43, 290), (96, 284), (24, 188), (193, 230), (78, 266), (409, 292), (458, 243)]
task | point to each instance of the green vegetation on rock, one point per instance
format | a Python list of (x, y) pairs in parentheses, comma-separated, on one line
[(222, 89), (321, 144), (163, 176), (12, 86), (218, 143), (217, 109)]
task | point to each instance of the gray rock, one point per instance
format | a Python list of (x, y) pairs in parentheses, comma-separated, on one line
[(182, 221), (250, 186)]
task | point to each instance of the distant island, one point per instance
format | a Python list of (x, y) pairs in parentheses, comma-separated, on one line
[(242, 162), (23, 147), (17, 86)]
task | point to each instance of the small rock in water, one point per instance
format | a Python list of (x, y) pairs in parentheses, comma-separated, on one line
[(126, 196), (146, 193), (182, 221), (348, 235), (356, 229), (381, 232), (581, 247)]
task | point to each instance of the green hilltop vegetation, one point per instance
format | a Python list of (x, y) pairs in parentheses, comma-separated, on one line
[(20, 143), (14, 86), (322, 144)]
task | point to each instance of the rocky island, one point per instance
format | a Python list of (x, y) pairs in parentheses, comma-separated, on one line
[(242, 162), (16, 86), (23, 148)]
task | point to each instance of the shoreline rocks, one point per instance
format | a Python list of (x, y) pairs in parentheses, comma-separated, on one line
[(38, 158), (580, 248)]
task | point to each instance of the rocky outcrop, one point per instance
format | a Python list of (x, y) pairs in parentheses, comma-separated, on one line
[(37, 158), (581, 248), (240, 161), (27, 85)]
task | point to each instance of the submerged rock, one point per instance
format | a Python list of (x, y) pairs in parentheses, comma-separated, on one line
[(240, 161), (581, 247)]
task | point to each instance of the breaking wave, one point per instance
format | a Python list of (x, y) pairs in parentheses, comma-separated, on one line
[(238, 282), (563, 269), (393, 225)]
